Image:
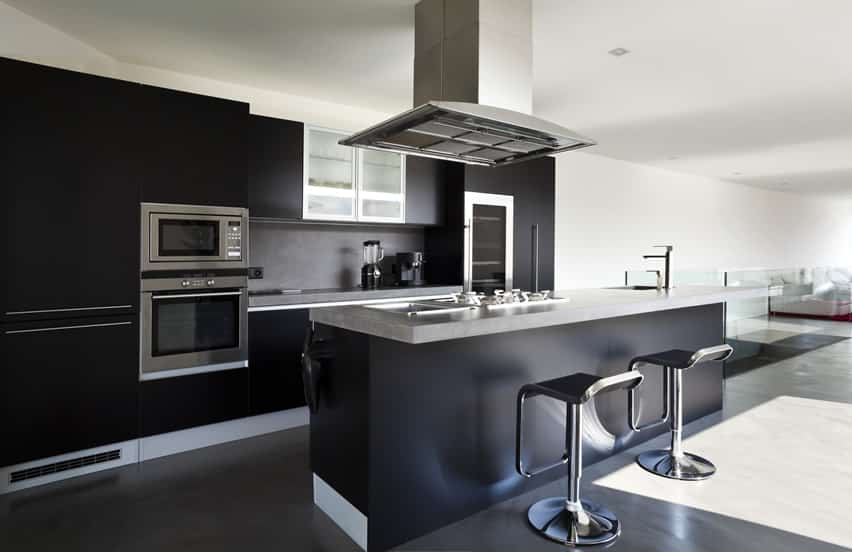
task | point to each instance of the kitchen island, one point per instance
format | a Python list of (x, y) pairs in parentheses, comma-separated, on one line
[(414, 426)]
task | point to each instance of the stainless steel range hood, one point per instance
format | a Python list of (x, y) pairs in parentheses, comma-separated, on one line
[(468, 132), (473, 86)]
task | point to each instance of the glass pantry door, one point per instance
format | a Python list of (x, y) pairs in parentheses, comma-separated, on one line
[(488, 252)]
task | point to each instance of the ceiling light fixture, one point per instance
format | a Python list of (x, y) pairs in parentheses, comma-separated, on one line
[(618, 52)]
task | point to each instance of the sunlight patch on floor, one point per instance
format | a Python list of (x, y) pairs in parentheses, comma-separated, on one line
[(785, 464)]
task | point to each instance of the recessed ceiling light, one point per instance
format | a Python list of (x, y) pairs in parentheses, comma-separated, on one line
[(619, 51)]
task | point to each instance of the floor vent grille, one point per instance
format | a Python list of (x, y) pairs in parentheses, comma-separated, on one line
[(65, 465)]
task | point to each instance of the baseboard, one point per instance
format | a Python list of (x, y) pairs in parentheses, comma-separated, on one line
[(341, 511), (194, 438), (156, 446)]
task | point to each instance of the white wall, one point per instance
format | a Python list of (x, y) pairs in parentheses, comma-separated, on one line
[(609, 213), (28, 39)]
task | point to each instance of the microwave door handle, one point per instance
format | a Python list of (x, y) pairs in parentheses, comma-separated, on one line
[(196, 295)]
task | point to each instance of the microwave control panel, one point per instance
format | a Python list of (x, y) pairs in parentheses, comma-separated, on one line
[(234, 240)]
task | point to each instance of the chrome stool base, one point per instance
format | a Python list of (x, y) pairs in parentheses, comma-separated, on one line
[(688, 467), (595, 525)]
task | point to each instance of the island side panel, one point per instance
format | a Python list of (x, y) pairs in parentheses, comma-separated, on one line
[(339, 429), (442, 415)]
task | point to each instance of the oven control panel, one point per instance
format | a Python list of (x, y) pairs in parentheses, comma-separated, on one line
[(234, 240), (198, 283)]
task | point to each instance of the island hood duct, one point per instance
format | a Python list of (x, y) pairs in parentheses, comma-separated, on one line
[(473, 86)]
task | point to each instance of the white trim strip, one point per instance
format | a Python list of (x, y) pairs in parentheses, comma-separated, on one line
[(194, 438), (129, 455), (341, 511), (163, 374), (156, 446), (347, 303)]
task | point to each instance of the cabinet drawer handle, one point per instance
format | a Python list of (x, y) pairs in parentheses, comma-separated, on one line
[(76, 309), (195, 295), (62, 328)]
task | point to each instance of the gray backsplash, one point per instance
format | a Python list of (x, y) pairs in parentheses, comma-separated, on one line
[(311, 256)]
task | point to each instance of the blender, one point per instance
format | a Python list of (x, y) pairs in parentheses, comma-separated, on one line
[(371, 272)]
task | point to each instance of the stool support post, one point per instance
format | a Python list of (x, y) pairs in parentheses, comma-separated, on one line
[(676, 377), (574, 427)]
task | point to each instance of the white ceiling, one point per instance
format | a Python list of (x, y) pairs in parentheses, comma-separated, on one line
[(756, 91)]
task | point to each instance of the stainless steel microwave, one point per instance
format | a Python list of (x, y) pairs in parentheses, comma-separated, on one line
[(193, 237)]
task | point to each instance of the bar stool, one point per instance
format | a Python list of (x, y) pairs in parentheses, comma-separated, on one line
[(570, 520), (673, 462)]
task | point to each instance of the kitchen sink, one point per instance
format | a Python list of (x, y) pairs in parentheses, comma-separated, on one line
[(418, 308)]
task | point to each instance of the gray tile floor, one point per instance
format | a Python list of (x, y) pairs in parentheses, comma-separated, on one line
[(256, 494)]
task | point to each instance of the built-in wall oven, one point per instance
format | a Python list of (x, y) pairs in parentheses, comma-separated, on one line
[(193, 291), (191, 237)]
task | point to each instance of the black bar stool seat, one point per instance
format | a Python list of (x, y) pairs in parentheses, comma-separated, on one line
[(568, 519), (574, 389), (674, 358)]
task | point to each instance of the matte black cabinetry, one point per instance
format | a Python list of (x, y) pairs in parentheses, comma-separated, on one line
[(67, 386), (425, 191), (172, 404), (275, 167), (533, 185), (275, 351), (70, 204), (194, 147)]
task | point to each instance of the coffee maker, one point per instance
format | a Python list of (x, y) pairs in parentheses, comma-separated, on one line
[(371, 272), (409, 268)]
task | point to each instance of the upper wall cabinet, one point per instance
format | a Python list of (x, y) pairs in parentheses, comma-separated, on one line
[(343, 183), (381, 186), (276, 158), (329, 192), (426, 190), (195, 148)]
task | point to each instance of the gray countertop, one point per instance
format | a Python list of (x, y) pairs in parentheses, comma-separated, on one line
[(583, 305), (260, 300)]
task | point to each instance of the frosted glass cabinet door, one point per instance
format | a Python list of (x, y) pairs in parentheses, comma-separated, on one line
[(329, 176), (381, 186)]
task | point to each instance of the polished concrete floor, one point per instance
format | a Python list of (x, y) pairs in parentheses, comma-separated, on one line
[(256, 494)]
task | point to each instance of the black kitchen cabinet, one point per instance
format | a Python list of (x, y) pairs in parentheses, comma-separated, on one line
[(425, 191), (71, 198), (67, 386), (194, 148), (275, 167), (171, 404), (275, 350), (533, 185)]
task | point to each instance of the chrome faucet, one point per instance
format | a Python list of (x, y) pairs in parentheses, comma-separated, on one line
[(668, 267)]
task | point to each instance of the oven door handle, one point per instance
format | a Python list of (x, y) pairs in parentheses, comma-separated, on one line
[(196, 295)]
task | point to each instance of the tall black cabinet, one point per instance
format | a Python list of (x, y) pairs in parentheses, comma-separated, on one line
[(533, 186), (70, 192)]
